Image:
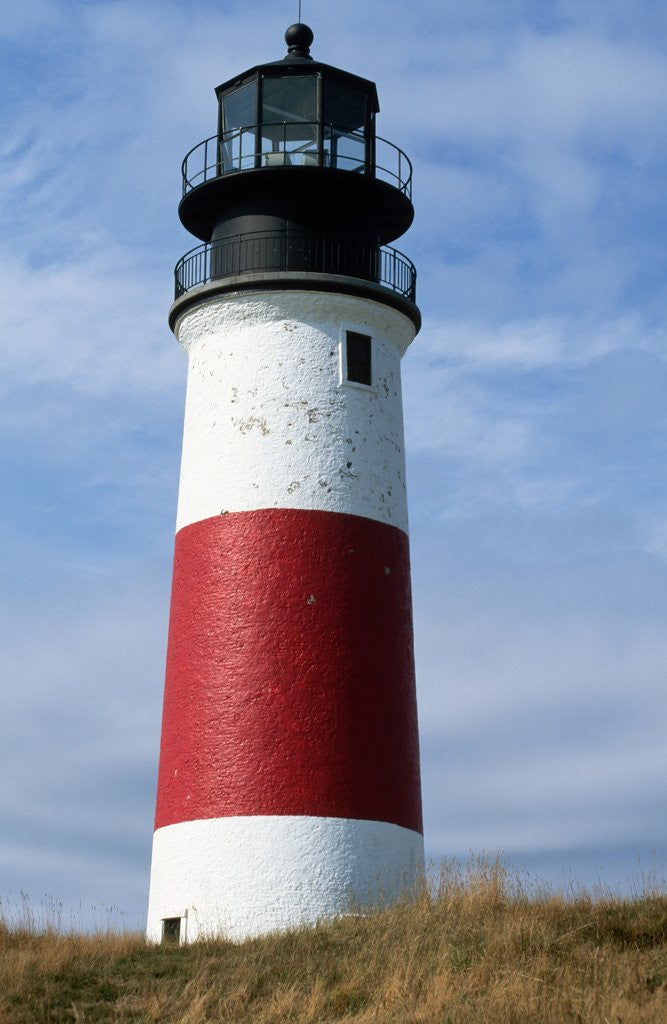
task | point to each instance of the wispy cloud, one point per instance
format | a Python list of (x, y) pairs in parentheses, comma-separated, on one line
[(542, 343), (95, 323)]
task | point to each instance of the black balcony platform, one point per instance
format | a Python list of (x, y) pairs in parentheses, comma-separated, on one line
[(369, 185), (292, 260)]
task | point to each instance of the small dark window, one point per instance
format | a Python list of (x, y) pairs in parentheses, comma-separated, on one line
[(171, 929), (358, 353)]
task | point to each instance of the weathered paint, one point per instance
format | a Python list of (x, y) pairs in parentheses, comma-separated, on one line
[(267, 423), (289, 780), (241, 877), (290, 679)]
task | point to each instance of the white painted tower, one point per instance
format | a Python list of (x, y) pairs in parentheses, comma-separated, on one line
[(289, 768)]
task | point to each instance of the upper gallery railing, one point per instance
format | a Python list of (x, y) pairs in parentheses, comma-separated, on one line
[(296, 144)]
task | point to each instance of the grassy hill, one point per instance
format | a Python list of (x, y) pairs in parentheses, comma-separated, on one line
[(478, 948)]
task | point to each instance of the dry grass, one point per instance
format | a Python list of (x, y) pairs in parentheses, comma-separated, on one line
[(477, 949)]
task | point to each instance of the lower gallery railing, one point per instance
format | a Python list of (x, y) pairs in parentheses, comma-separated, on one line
[(258, 251)]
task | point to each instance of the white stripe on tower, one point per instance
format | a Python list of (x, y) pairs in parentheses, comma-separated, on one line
[(245, 876), (289, 775), (267, 424)]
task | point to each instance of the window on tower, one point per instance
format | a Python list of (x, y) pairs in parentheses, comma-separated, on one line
[(358, 368)]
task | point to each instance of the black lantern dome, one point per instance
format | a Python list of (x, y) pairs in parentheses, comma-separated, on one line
[(295, 178)]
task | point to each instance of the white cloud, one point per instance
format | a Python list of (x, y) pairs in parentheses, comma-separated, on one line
[(95, 323), (495, 402), (84, 665), (541, 707), (24, 20), (530, 345), (547, 89)]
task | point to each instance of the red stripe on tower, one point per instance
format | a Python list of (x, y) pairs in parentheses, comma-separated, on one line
[(290, 681)]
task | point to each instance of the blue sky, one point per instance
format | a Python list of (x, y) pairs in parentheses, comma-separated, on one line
[(534, 403)]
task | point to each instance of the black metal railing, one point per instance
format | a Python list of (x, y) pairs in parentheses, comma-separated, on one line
[(285, 250), (296, 144)]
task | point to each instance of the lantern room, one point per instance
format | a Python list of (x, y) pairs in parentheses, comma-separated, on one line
[(296, 179), (296, 112)]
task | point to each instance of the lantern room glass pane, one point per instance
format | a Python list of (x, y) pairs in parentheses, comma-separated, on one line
[(344, 106), (289, 98), (344, 150), (239, 108), (345, 110), (289, 120), (239, 115)]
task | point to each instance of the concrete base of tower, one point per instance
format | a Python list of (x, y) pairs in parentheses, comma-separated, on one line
[(240, 877)]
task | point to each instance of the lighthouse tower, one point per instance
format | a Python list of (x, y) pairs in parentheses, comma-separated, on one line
[(288, 784)]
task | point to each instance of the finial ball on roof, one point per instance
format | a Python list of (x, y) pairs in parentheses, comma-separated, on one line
[(299, 39)]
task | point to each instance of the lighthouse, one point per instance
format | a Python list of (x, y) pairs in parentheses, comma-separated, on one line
[(288, 786)]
